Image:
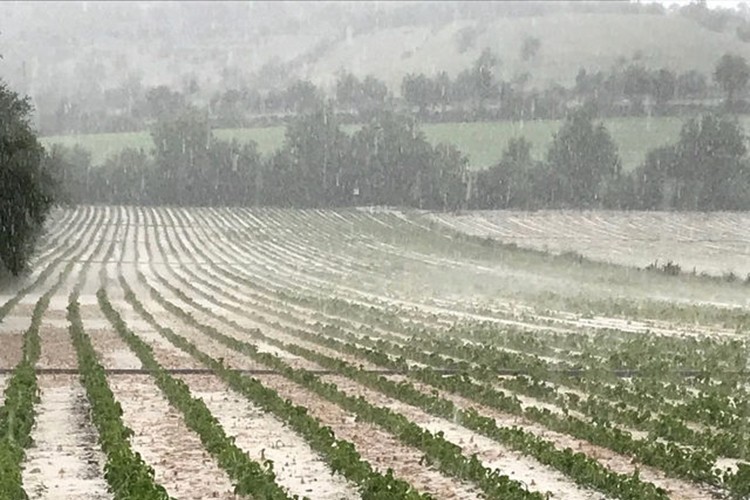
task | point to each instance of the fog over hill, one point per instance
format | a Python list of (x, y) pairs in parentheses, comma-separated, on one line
[(55, 49)]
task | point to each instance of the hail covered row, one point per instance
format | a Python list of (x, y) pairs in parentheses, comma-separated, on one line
[(715, 243), (278, 353)]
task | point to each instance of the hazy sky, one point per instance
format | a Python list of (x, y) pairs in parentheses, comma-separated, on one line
[(711, 3)]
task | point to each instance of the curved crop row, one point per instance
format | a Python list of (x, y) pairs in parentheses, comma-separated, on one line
[(250, 478), (341, 455)]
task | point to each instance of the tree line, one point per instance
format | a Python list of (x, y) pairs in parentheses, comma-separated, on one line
[(388, 161), (628, 88), (706, 169)]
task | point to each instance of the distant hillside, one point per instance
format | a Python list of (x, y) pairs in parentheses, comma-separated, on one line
[(67, 47), (568, 42)]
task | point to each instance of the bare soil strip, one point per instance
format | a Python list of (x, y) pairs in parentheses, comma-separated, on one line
[(298, 468), (180, 462), (11, 348), (177, 455), (65, 462), (376, 446)]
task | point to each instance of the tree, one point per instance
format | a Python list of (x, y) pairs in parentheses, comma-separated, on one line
[(652, 181), (445, 187), (302, 97), (443, 89), (636, 86), (181, 154), (732, 73), (484, 74), (73, 173), (235, 175), (312, 164), (348, 91), (418, 90), (585, 156), (462, 89), (664, 85), (508, 184), (709, 164), (125, 178), (691, 84), (164, 103), (363, 96), (27, 190), (706, 169), (229, 109), (396, 165), (530, 47), (374, 94)]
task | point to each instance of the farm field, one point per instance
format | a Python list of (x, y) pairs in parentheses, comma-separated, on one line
[(714, 243), (366, 353), (482, 142)]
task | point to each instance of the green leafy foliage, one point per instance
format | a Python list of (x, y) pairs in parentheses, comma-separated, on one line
[(26, 186), (17, 415), (127, 475)]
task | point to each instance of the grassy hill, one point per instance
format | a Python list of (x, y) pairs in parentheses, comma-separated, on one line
[(483, 143), (223, 45), (568, 42)]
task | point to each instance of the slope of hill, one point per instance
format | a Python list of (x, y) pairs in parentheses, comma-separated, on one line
[(568, 42), (70, 46)]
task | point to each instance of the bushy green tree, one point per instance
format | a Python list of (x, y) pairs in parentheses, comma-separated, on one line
[(364, 96), (192, 167), (310, 169), (707, 169), (651, 179), (509, 183), (375, 95), (484, 74), (163, 102), (73, 173), (446, 185), (181, 147), (302, 97), (585, 157), (636, 86), (396, 165), (126, 178), (732, 73), (664, 86), (27, 190), (418, 90), (709, 164), (348, 91)]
